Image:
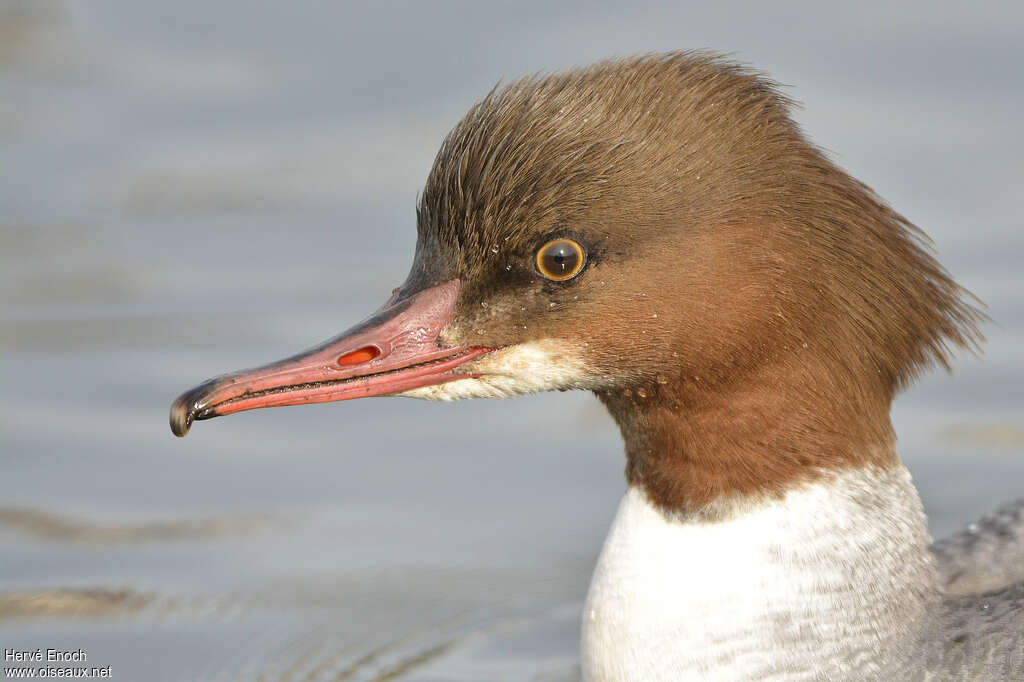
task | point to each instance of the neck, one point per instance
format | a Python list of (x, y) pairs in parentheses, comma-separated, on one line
[(826, 581), (701, 445)]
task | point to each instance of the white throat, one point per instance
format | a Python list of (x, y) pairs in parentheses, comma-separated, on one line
[(830, 582)]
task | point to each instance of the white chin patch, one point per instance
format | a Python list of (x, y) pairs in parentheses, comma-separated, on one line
[(532, 367)]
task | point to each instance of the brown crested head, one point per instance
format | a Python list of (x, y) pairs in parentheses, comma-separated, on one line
[(746, 311), (659, 231)]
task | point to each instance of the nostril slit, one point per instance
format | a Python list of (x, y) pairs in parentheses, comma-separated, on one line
[(359, 356)]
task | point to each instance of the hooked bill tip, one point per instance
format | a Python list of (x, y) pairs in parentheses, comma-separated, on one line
[(181, 416)]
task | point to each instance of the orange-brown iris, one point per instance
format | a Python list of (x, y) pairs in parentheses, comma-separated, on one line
[(561, 259)]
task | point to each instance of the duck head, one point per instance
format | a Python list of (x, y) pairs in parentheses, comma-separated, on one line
[(656, 230)]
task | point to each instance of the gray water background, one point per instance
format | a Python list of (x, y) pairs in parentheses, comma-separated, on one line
[(193, 187)]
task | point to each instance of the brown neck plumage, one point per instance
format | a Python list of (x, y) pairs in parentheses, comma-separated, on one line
[(700, 446)]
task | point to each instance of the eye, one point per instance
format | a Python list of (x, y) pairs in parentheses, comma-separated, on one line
[(561, 259)]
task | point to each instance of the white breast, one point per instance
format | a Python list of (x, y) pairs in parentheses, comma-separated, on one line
[(826, 583)]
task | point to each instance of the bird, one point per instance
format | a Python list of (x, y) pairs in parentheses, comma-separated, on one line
[(659, 231)]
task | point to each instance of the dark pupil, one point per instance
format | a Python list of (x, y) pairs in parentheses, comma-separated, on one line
[(561, 258)]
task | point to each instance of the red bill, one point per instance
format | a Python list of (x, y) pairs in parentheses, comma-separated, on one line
[(395, 350)]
